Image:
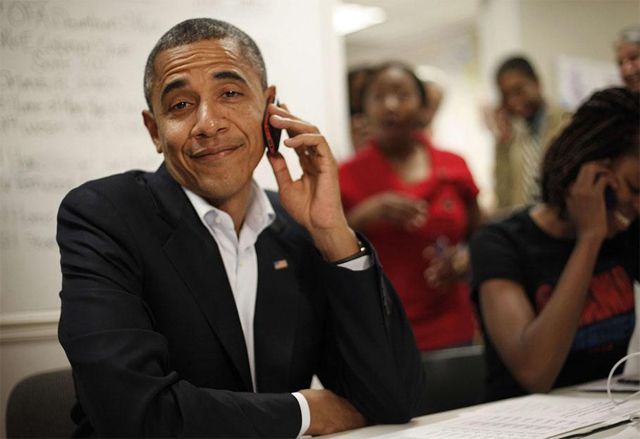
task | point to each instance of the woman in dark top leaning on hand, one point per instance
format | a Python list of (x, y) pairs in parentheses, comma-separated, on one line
[(554, 282)]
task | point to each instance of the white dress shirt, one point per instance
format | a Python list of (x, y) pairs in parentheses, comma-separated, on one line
[(241, 264)]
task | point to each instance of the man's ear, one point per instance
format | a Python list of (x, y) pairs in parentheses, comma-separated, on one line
[(270, 91), (152, 127)]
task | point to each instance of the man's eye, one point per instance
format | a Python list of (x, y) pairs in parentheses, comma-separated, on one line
[(179, 106), (231, 94)]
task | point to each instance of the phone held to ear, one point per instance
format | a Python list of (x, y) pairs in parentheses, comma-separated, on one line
[(271, 134), (610, 199)]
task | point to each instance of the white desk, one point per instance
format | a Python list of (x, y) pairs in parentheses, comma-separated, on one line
[(377, 430)]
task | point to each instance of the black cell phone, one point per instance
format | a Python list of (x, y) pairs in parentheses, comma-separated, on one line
[(610, 199), (271, 134)]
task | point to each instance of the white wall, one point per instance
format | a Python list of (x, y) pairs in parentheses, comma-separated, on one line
[(585, 29), (70, 102), (547, 30)]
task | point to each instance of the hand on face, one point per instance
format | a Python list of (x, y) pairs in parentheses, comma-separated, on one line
[(313, 200), (500, 125), (585, 199), (586, 202)]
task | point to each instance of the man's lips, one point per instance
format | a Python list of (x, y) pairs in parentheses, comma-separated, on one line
[(214, 153)]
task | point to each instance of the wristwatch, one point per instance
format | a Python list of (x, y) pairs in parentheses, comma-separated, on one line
[(363, 250)]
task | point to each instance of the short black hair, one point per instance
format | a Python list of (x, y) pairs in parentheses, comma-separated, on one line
[(378, 69), (200, 29), (604, 126), (518, 63)]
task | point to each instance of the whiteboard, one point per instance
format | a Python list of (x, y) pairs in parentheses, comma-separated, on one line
[(71, 99)]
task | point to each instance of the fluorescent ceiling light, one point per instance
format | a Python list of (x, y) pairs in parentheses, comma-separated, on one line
[(351, 17)]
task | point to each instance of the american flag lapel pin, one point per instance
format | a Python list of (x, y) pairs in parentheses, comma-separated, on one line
[(280, 264)]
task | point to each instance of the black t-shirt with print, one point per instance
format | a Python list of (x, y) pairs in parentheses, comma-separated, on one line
[(517, 249)]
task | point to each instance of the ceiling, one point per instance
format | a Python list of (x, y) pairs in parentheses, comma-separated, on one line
[(409, 24), (407, 19)]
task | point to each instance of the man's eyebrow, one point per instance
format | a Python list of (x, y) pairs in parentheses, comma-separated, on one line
[(178, 83), (228, 74)]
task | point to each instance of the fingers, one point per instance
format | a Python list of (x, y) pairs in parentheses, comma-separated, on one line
[(441, 249), (282, 109), (315, 143), (304, 137), (280, 117), (403, 210), (293, 125), (440, 258), (313, 152), (280, 170), (585, 199), (590, 170), (592, 179)]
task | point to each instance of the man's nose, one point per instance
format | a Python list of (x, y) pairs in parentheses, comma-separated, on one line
[(211, 120)]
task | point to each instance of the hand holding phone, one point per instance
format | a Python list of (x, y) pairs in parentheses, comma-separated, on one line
[(270, 134), (610, 199)]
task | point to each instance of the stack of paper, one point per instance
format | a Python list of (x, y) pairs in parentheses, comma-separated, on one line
[(530, 417)]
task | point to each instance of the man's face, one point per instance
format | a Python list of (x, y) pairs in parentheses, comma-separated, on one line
[(208, 104), (628, 55), (521, 94)]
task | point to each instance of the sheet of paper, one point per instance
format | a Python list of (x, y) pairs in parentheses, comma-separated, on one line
[(530, 417)]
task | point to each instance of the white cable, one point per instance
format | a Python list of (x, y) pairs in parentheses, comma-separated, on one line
[(613, 369)]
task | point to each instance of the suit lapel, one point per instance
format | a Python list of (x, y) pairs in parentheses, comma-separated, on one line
[(196, 257), (276, 312)]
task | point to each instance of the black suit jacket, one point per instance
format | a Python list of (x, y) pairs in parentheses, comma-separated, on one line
[(151, 330)]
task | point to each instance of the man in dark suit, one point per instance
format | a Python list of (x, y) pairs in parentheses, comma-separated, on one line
[(196, 304)]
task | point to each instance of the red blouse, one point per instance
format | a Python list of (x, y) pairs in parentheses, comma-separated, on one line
[(440, 317)]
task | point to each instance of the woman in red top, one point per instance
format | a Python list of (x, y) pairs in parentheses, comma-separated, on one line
[(416, 204)]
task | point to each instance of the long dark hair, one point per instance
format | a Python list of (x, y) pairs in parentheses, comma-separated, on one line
[(605, 126)]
